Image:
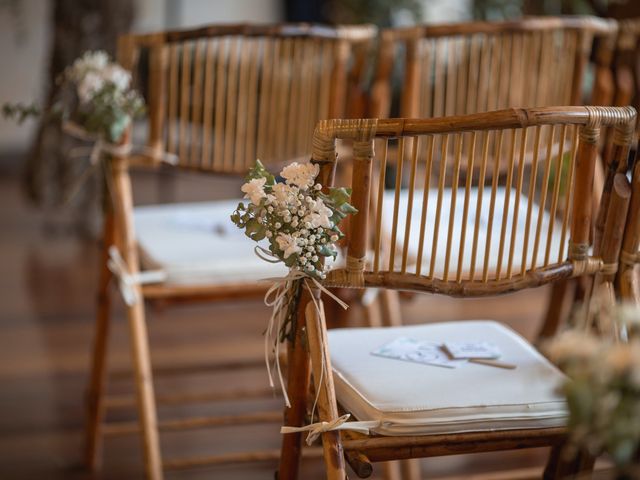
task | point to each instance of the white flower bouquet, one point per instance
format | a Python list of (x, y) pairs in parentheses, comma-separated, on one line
[(300, 224), (298, 220), (94, 93), (603, 395)]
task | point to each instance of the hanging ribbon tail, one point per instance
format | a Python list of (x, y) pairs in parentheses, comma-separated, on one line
[(128, 282), (317, 429)]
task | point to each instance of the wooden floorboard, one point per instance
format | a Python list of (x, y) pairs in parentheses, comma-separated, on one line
[(46, 314)]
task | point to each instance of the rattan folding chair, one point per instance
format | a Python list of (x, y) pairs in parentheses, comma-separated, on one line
[(475, 67), (218, 98), (416, 410)]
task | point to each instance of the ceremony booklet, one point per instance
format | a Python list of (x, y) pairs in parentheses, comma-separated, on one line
[(418, 351), (447, 354)]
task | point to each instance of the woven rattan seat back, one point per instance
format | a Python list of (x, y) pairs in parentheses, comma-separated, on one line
[(475, 67), (221, 96), (485, 232)]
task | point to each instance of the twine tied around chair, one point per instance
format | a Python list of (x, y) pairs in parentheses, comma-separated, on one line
[(100, 146), (276, 298), (127, 281), (340, 423)]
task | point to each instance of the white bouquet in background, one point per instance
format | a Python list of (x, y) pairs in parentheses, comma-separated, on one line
[(603, 392), (298, 220), (95, 94)]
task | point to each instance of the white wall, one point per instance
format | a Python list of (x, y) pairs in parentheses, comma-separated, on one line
[(24, 32)]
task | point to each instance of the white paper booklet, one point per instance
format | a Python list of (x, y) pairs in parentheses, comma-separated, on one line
[(418, 351), (460, 350)]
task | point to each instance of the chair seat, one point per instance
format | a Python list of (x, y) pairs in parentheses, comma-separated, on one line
[(196, 243), (416, 399), (483, 229)]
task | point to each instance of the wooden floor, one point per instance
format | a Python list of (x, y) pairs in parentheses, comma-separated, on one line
[(46, 314)]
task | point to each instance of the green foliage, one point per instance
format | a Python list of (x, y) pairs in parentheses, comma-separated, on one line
[(300, 224), (259, 171), (19, 112)]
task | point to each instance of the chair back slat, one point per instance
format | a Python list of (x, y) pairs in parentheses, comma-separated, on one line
[(466, 68), (453, 222), (222, 96)]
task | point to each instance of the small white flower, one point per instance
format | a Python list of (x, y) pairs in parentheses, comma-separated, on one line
[(300, 174), (282, 192), (308, 255), (89, 86), (278, 225), (318, 186), (287, 244), (334, 238), (269, 234), (311, 268), (314, 258), (254, 190), (117, 75)]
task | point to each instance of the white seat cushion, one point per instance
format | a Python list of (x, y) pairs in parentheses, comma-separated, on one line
[(417, 399), (496, 228), (196, 243)]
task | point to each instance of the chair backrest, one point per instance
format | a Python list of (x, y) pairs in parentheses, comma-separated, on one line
[(475, 67), (483, 232), (223, 95)]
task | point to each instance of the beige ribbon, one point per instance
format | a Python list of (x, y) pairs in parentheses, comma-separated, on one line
[(340, 423), (127, 282), (101, 146), (276, 299)]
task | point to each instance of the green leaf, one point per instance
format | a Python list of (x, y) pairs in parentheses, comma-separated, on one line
[(339, 195), (348, 208), (259, 171), (327, 251), (291, 260), (117, 128)]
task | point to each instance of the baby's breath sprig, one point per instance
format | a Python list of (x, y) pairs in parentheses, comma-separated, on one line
[(298, 221)]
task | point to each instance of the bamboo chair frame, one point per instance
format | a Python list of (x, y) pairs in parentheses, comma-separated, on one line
[(464, 68), (471, 67), (626, 82), (176, 106), (578, 261)]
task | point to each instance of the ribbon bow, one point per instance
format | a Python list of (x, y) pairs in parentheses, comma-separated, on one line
[(127, 282), (276, 298), (100, 146), (340, 423)]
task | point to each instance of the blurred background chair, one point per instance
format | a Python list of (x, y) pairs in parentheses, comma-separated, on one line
[(519, 409), (434, 70), (218, 98), (474, 67)]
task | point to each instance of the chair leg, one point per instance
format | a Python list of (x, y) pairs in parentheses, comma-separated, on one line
[(391, 470), (323, 379), (148, 417), (411, 469), (98, 375), (391, 313), (560, 466), (297, 386), (555, 310)]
